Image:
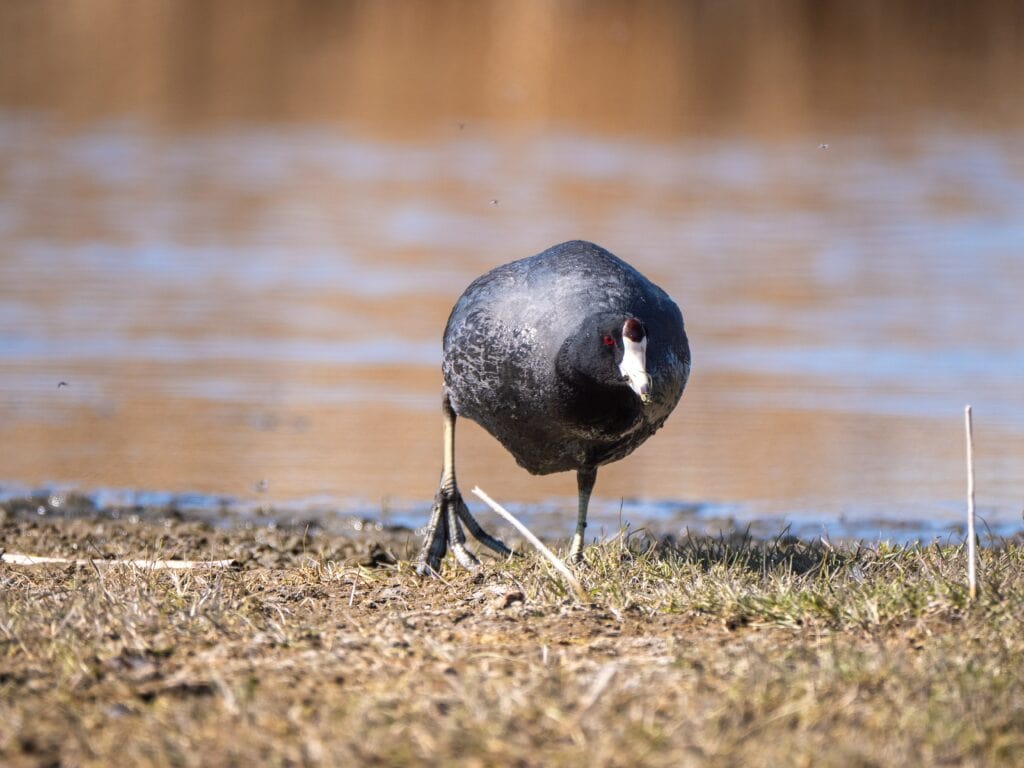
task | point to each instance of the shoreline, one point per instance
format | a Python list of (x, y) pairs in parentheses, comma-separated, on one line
[(551, 520)]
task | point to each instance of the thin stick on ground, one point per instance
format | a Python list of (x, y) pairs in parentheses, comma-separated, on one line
[(561, 567), (972, 582), (17, 558)]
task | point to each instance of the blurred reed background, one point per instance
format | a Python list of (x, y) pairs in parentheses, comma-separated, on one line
[(406, 69), (234, 231)]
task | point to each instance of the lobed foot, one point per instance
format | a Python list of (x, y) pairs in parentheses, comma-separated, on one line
[(445, 530), (576, 550)]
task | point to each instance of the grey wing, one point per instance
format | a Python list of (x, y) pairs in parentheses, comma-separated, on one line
[(487, 366)]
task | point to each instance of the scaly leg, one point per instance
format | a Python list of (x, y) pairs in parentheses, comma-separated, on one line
[(449, 512), (585, 479)]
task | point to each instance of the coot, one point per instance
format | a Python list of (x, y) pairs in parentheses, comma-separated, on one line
[(571, 359)]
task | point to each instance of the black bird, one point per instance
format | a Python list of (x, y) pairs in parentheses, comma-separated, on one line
[(571, 359)]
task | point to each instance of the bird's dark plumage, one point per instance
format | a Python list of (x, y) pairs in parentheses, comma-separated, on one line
[(508, 331), (550, 354)]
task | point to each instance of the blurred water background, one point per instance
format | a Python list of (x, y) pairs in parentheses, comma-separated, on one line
[(231, 232)]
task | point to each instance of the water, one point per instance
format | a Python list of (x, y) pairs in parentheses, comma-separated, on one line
[(246, 313)]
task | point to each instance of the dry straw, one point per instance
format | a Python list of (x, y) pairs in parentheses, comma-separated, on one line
[(561, 567), (972, 582), (17, 558)]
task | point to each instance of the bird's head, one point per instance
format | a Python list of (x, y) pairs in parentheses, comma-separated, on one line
[(611, 350)]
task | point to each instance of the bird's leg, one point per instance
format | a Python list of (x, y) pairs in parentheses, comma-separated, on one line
[(585, 483), (449, 512), (435, 541)]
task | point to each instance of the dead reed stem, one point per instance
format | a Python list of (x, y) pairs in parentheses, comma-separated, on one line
[(17, 558), (561, 567), (972, 583)]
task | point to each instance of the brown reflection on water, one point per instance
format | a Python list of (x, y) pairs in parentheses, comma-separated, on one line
[(382, 442), (605, 67)]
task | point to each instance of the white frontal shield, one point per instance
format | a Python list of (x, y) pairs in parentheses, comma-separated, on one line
[(634, 367)]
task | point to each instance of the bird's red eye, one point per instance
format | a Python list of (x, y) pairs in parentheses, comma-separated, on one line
[(608, 341)]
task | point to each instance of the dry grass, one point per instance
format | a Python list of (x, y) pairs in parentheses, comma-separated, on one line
[(696, 652)]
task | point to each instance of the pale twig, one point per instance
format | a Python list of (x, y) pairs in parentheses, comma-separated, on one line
[(561, 567), (15, 558), (972, 583)]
